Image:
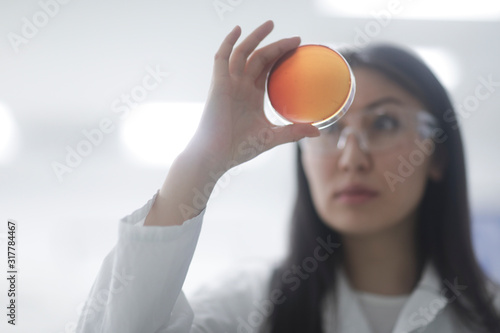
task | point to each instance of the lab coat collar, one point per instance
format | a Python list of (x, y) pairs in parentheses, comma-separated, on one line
[(422, 307), (424, 304)]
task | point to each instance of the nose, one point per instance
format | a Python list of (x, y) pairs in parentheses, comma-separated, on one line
[(353, 158)]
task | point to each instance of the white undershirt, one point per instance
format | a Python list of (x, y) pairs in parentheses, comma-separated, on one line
[(381, 311)]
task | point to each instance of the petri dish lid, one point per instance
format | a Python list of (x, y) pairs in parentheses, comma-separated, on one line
[(311, 84)]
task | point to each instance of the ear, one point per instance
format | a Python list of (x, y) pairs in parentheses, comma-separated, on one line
[(438, 164)]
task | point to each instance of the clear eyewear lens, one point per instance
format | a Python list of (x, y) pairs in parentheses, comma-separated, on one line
[(380, 131)]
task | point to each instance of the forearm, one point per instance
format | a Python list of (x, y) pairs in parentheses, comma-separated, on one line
[(186, 190)]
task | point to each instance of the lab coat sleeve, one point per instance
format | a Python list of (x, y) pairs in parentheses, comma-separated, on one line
[(236, 301), (138, 287)]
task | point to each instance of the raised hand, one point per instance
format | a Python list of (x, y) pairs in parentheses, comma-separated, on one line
[(233, 128)]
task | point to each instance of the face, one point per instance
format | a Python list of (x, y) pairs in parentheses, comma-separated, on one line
[(362, 191)]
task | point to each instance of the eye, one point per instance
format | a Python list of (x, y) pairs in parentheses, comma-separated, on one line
[(385, 122)]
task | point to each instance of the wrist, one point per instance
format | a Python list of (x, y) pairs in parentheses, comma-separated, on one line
[(207, 165)]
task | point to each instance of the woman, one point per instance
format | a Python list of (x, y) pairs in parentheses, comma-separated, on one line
[(380, 238)]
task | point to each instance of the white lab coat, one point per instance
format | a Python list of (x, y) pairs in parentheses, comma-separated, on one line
[(138, 289)]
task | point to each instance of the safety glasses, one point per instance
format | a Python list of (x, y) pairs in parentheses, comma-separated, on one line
[(376, 130)]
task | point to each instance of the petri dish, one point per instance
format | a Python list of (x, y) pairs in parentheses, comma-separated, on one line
[(310, 84)]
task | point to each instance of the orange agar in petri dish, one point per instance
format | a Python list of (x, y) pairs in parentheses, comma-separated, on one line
[(311, 84)]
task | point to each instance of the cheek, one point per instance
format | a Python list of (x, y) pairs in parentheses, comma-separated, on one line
[(319, 173), (405, 176)]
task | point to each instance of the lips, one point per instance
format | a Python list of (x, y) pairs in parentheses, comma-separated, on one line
[(355, 194)]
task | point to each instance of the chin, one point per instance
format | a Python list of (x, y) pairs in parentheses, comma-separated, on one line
[(357, 223), (356, 229)]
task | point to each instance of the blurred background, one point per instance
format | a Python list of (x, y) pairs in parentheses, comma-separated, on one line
[(98, 97)]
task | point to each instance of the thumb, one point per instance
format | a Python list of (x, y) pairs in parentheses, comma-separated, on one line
[(295, 132)]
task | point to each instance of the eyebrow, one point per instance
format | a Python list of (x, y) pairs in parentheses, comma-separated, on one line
[(382, 101), (370, 107)]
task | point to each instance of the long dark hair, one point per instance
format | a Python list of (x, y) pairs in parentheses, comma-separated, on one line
[(443, 231)]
